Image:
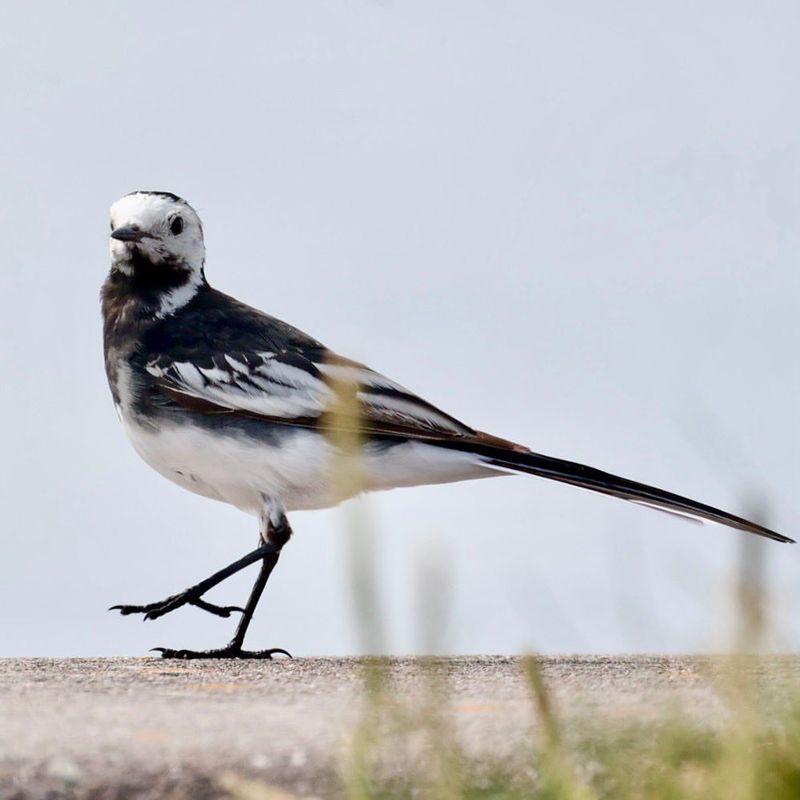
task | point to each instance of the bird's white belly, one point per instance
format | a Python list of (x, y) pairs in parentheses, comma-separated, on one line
[(302, 471), (235, 469)]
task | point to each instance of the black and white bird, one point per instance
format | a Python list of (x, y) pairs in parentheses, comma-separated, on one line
[(235, 405)]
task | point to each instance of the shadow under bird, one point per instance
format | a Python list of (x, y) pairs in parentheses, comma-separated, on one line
[(238, 406)]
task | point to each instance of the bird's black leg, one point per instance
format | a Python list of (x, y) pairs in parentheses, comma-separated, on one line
[(193, 595), (278, 534)]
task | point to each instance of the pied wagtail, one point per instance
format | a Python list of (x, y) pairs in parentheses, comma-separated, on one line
[(236, 405)]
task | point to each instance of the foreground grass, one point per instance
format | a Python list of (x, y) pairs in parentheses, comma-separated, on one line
[(752, 752)]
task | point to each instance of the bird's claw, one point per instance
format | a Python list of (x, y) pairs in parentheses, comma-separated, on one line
[(220, 611), (225, 652), (125, 610), (156, 610)]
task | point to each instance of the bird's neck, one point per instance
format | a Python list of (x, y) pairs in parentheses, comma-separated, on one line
[(139, 293)]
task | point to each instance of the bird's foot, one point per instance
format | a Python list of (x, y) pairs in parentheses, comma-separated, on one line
[(229, 651), (156, 610)]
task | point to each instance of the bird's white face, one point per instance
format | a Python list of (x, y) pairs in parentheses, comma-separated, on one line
[(162, 228)]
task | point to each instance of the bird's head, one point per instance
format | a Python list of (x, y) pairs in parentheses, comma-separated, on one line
[(159, 228), (157, 251)]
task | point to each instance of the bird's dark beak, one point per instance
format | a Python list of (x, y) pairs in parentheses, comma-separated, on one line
[(128, 234)]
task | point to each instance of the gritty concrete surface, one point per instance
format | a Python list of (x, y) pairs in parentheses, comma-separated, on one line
[(147, 728)]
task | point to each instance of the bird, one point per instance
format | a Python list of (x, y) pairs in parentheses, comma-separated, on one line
[(235, 405)]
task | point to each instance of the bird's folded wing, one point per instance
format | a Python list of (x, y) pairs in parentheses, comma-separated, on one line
[(303, 388)]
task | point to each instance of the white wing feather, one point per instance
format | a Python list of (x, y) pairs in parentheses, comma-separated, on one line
[(266, 384)]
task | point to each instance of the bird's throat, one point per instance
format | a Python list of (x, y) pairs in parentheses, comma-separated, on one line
[(139, 290)]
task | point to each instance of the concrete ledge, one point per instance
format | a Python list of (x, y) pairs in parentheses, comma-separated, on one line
[(147, 728)]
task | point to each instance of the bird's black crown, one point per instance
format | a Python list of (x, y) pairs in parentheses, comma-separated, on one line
[(169, 195)]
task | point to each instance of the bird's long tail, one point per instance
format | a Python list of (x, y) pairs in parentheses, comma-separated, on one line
[(506, 456)]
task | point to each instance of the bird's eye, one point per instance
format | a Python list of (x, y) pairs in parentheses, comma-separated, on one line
[(111, 224), (176, 226)]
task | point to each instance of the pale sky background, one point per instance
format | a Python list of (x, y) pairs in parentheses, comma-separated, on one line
[(572, 224)]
